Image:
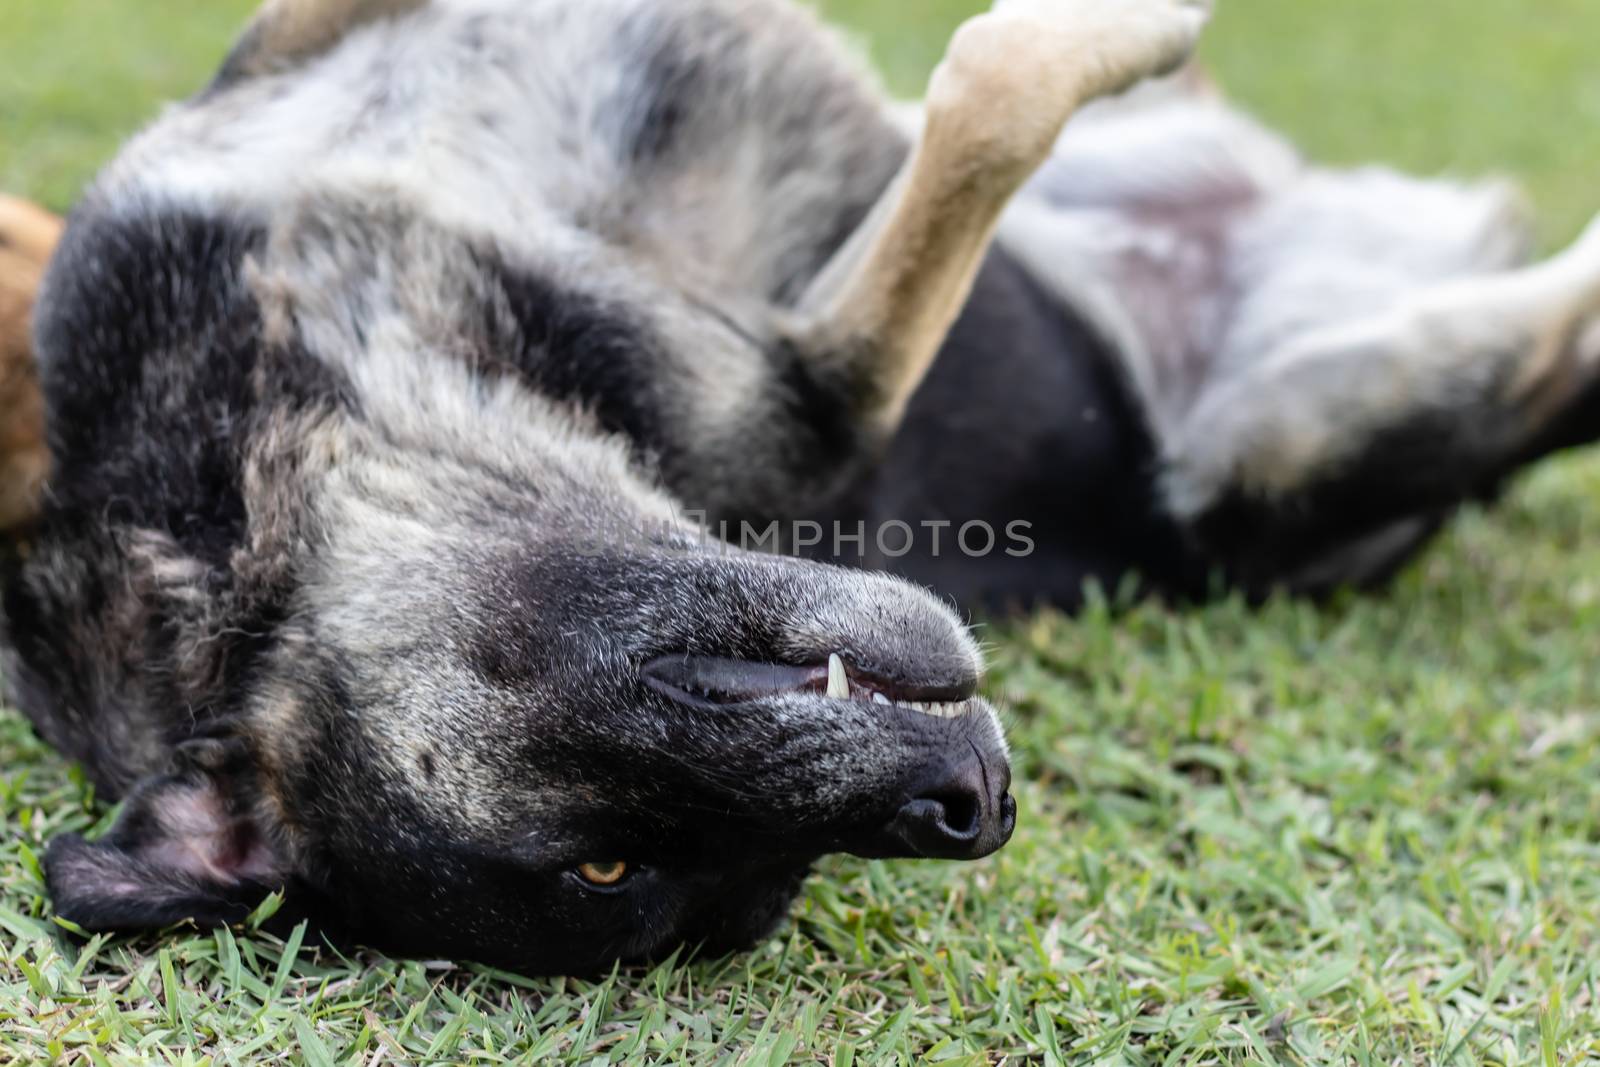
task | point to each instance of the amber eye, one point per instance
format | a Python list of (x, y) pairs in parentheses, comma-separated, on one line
[(603, 873)]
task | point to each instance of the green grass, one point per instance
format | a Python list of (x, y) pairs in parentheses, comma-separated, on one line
[(1368, 833)]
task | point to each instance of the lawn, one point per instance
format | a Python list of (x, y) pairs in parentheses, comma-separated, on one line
[(1364, 833)]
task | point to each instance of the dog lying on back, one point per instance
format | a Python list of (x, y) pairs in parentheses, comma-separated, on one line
[(384, 376)]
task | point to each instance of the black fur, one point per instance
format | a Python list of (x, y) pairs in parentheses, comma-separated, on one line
[(1024, 419), (572, 346)]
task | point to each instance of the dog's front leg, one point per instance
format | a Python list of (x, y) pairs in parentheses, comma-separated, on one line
[(995, 108), (287, 32)]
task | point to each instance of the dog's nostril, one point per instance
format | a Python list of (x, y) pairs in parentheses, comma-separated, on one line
[(949, 824), (961, 814), (959, 810)]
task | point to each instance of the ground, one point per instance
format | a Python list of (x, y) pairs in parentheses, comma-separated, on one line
[(1365, 833)]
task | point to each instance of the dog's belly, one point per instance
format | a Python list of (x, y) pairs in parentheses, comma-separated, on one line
[(1025, 429)]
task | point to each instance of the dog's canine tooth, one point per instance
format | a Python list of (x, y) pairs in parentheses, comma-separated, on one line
[(838, 681), (879, 698)]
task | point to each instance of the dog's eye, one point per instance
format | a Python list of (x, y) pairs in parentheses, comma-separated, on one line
[(603, 874)]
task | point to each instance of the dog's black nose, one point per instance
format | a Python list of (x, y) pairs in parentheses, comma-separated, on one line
[(964, 812)]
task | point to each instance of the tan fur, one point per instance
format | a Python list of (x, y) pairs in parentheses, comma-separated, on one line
[(1561, 298), (286, 31), (27, 236), (995, 108)]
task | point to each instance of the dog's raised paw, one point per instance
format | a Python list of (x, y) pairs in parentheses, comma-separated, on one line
[(1037, 61)]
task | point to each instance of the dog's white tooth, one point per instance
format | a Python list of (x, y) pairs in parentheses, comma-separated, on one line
[(939, 709), (879, 698), (936, 708), (838, 681)]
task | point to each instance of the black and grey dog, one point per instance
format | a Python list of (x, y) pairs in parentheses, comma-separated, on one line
[(383, 376)]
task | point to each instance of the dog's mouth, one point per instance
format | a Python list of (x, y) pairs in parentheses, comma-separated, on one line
[(712, 681), (943, 789)]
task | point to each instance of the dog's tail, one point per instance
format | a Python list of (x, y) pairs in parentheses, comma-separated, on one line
[(28, 235)]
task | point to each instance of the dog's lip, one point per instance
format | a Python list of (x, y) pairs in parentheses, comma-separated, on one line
[(716, 681)]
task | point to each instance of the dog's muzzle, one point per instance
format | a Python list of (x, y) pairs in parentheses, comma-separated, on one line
[(961, 810), (956, 806)]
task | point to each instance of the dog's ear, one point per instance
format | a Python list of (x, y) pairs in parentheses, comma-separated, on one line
[(186, 846)]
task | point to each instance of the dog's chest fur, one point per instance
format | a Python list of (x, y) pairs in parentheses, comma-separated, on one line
[(612, 198), (720, 145)]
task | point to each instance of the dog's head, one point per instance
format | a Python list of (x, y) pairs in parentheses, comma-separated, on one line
[(338, 542), (523, 714)]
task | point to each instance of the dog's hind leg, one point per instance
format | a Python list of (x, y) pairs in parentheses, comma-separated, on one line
[(27, 237), (1011, 79), (1345, 430)]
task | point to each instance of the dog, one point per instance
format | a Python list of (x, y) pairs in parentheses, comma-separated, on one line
[(395, 381)]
